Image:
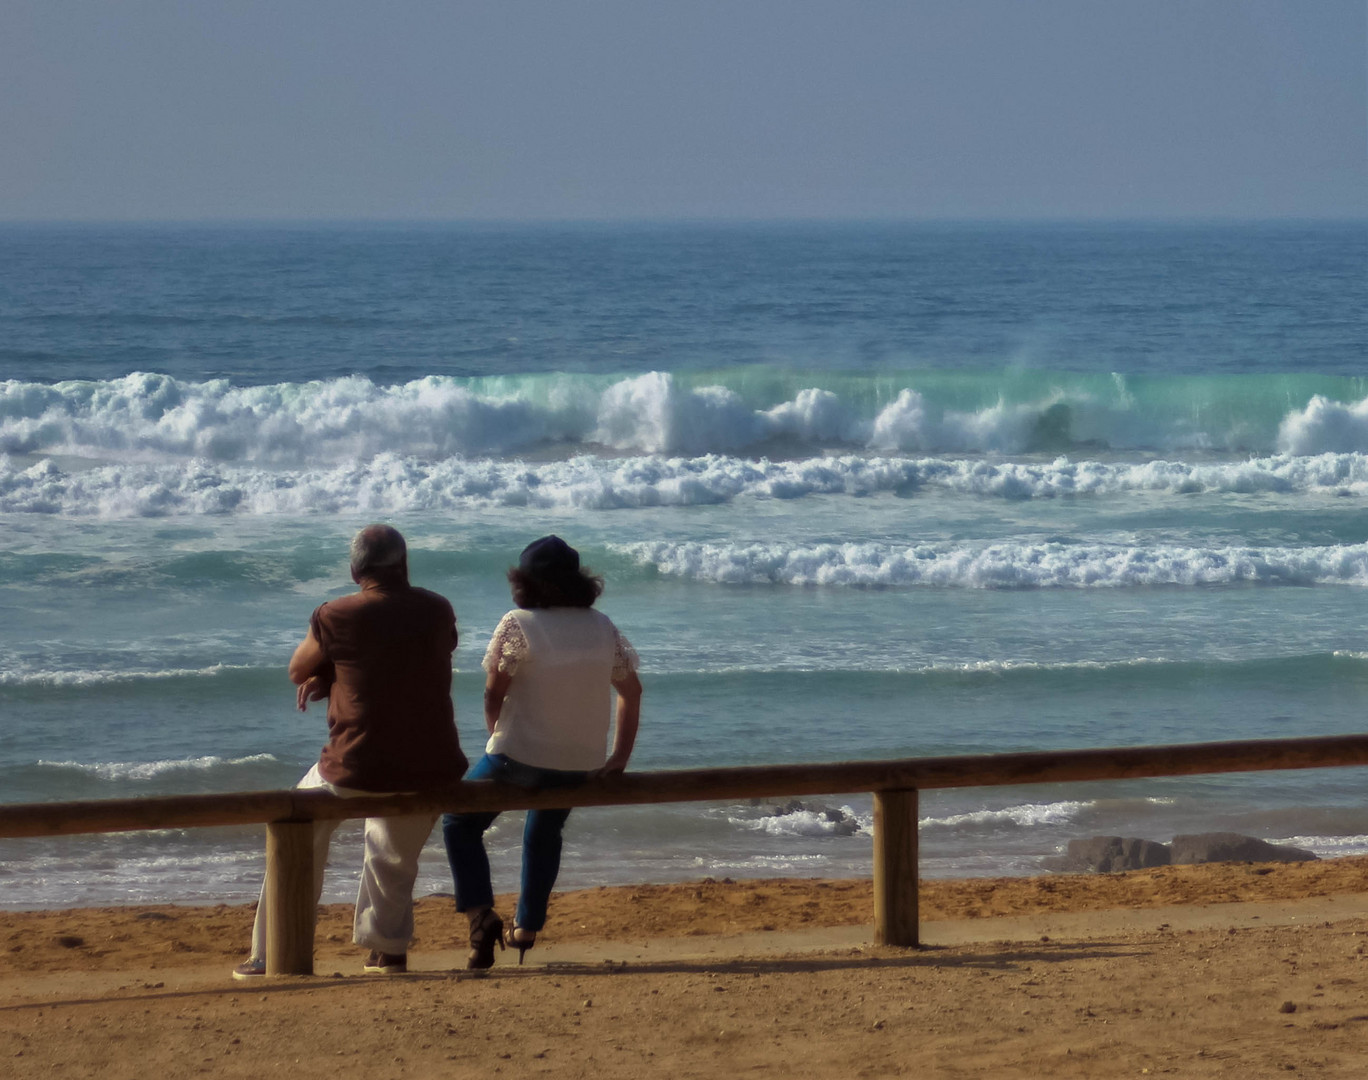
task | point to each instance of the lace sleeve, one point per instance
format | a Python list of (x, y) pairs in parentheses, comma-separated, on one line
[(507, 648), (625, 659)]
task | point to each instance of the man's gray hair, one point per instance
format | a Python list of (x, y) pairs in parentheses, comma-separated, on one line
[(377, 548)]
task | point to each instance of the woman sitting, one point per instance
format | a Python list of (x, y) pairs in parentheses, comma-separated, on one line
[(547, 706)]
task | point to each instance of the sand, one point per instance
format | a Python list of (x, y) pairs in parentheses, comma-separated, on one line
[(1229, 970)]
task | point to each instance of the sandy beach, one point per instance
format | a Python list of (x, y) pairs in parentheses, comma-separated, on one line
[(1222, 970)]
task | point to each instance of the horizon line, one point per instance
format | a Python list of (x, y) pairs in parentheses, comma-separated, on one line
[(697, 221)]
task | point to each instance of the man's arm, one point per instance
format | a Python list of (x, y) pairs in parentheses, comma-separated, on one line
[(310, 671), (625, 728), (308, 659)]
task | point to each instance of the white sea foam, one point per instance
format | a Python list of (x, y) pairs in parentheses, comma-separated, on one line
[(651, 414), (1328, 847), (1022, 816), (152, 418), (1000, 565), (393, 483), (804, 820), (869, 660), (809, 865), (910, 424), (148, 770), (155, 417), (1325, 426), (99, 677), (1003, 667)]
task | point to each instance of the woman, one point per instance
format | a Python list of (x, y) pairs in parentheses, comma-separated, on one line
[(547, 707)]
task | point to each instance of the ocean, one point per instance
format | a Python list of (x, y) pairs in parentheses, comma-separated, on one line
[(858, 491)]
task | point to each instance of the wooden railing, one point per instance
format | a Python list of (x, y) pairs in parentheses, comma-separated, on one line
[(288, 815)]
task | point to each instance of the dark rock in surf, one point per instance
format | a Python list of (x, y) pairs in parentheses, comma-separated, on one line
[(1112, 854), (1233, 847)]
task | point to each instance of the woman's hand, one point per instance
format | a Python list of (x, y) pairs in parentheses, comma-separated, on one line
[(610, 769)]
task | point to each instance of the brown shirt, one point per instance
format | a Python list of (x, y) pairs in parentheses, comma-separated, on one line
[(391, 724)]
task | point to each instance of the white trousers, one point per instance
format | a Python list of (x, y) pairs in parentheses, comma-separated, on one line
[(384, 900)]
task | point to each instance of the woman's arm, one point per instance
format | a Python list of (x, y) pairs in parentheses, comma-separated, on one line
[(496, 689), (628, 721)]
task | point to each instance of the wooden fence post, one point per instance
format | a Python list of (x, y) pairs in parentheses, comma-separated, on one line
[(289, 899), (895, 868)]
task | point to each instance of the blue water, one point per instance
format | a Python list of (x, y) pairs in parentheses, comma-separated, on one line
[(858, 492)]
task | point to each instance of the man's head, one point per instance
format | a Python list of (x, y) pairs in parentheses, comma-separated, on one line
[(379, 554)]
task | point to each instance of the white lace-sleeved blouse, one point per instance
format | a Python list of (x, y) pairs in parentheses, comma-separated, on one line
[(563, 662)]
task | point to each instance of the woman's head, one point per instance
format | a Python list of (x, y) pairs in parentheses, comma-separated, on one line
[(549, 575)]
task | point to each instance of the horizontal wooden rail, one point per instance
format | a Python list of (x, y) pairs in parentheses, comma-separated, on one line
[(288, 814), (691, 785)]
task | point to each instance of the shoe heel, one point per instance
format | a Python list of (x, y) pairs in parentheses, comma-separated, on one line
[(511, 937), (484, 935)]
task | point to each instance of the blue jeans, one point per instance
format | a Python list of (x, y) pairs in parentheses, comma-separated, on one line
[(464, 836)]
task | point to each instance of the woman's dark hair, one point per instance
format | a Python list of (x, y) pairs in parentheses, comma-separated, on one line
[(549, 575), (579, 589)]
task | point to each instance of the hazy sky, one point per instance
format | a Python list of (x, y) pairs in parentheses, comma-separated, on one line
[(534, 109)]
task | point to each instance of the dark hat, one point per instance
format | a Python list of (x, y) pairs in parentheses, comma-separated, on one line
[(549, 557)]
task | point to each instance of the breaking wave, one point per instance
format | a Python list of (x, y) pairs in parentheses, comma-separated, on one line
[(800, 818), (1022, 816), (153, 418), (1001, 565)]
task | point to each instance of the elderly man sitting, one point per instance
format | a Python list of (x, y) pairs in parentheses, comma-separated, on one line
[(382, 658)]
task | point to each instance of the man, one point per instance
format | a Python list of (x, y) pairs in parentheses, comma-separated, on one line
[(382, 658)]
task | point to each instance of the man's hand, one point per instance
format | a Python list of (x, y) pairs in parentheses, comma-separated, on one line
[(314, 688)]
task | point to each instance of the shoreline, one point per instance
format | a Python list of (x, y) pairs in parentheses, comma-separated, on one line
[(171, 934)]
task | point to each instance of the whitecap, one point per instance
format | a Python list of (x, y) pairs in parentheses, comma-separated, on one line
[(102, 676), (148, 770), (1001, 565), (1021, 816)]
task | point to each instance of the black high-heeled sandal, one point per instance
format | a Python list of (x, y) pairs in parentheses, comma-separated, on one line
[(485, 933), (511, 939)]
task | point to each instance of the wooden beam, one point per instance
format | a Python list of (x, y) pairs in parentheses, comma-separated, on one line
[(146, 812), (694, 785), (895, 868), (291, 909)]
